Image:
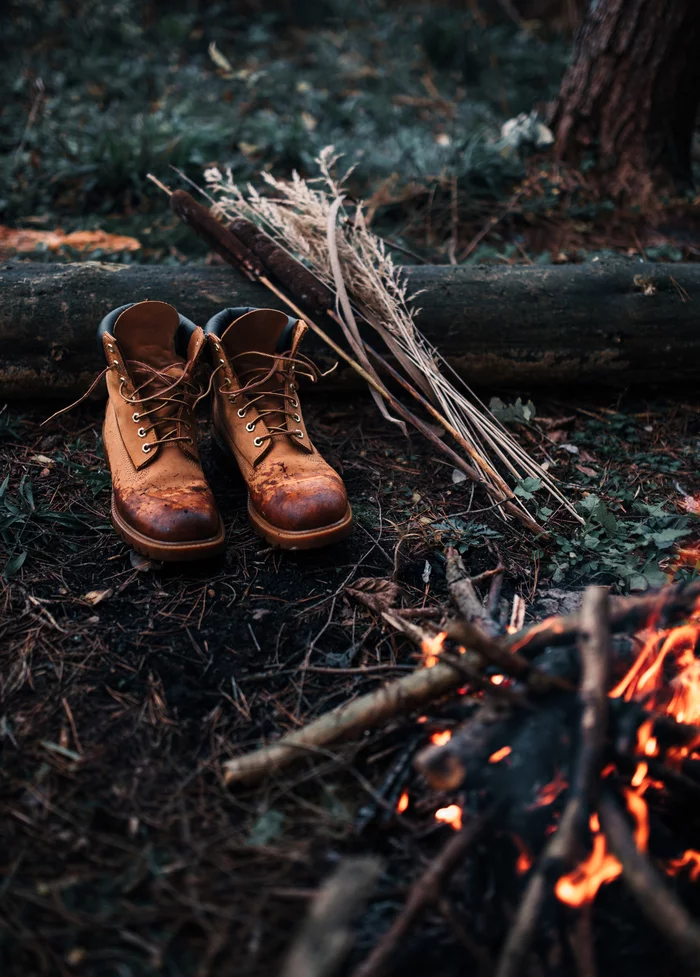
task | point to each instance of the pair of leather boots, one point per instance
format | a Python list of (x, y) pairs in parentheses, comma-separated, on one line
[(157, 364)]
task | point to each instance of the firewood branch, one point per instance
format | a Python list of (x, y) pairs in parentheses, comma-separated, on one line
[(425, 890), (656, 901), (365, 712), (594, 646)]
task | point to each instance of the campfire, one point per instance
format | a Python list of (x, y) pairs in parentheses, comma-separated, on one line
[(584, 751), (573, 743)]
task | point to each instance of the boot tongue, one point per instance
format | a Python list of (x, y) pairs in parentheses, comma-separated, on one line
[(146, 333), (258, 332)]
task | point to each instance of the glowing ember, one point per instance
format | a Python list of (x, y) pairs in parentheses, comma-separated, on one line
[(550, 623), (497, 679), (689, 859), (431, 648), (439, 739), (402, 802), (500, 754), (451, 815), (549, 793), (523, 863)]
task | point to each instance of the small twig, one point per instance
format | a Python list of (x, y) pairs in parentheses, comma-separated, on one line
[(595, 650), (661, 906), (327, 936), (424, 891)]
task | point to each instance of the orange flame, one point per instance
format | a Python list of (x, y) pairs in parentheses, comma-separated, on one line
[(580, 887), (500, 754), (689, 858), (451, 815), (402, 803), (648, 679), (431, 648), (497, 679), (439, 739)]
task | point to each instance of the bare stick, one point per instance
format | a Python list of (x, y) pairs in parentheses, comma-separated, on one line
[(326, 936), (365, 712), (594, 646), (464, 595), (424, 891), (661, 906)]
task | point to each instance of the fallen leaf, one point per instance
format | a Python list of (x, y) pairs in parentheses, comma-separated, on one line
[(591, 472), (97, 596), (377, 593), (42, 459), (13, 240)]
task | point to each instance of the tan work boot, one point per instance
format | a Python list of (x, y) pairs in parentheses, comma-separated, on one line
[(161, 502), (295, 499)]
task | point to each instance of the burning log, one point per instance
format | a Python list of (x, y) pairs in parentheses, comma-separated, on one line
[(560, 772)]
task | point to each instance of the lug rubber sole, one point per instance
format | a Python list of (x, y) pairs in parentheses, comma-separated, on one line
[(156, 549), (305, 539)]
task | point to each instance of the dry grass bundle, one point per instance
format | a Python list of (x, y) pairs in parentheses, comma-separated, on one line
[(312, 220)]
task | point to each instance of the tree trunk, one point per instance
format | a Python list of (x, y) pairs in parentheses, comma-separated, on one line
[(630, 96), (617, 323)]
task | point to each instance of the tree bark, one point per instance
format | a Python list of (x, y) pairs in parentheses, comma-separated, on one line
[(630, 96), (618, 323)]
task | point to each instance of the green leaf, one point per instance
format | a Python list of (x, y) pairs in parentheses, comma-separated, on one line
[(268, 827), (528, 487), (14, 565)]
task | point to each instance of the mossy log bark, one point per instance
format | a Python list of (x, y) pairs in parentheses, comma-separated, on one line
[(618, 323)]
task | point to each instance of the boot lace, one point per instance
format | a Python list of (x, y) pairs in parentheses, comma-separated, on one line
[(167, 401), (285, 367), (158, 392)]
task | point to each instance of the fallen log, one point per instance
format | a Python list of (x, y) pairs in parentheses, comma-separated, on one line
[(615, 323)]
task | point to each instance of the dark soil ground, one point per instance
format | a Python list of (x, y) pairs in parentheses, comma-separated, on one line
[(125, 685)]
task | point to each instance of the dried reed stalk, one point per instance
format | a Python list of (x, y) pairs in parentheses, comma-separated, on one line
[(335, 243)]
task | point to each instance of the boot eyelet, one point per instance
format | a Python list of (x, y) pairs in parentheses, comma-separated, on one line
[(115, 362), (227, 381), (257, 442), (222, 362), (190, 441), (250, 426), (299, 434), (146, 448), (295, 403), (242, 411), (295, 417), (109, 346), (141, 432), (136, 417)]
